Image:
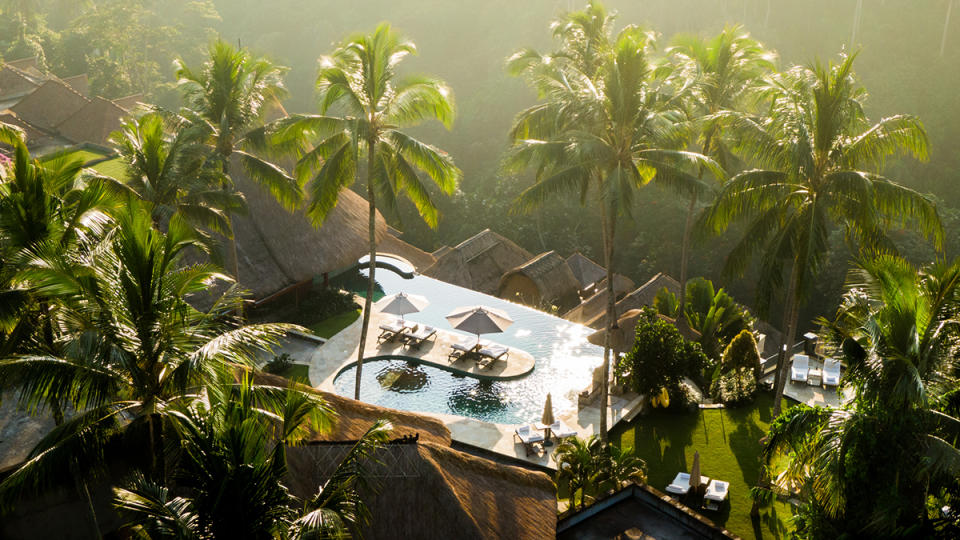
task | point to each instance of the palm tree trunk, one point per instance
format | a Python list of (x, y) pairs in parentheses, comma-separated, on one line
[(685, 253), (158, 461), (371, 282), (609, 229), (791, 313)]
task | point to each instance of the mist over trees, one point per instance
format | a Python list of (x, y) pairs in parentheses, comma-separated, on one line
[(128, 47)]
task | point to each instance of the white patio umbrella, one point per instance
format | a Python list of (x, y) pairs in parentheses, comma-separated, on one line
[(479, 320), (402, 304)]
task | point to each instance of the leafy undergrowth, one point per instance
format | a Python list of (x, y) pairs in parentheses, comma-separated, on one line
[(728, 442)]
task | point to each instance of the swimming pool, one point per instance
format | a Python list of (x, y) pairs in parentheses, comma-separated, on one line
[(564, 362)]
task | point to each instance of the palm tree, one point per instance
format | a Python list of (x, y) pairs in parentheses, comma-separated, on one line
[(723, 72), (233, 465), (48, 207), (869, 468), (360, 77), (818, 151), (578, 464), (227, 97), (171, 173), (606, 123), (131, 347), (620, 466)]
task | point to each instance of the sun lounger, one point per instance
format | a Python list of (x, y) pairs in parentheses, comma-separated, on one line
[(460, 348), (493, 353), (528, 437), (831, 372), (392, 329), (800, 369), (416, 338), (561, 431), (681, 483), (716, 492)]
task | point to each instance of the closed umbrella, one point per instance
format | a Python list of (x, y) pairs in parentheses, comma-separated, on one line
[(695, 473), (401, 304), (547, 419), (479, 320)]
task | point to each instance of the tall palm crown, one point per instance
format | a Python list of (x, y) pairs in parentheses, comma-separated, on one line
[(896, 331), (227, 98), (607, 122), (171, 173), (723, 74), (360, 79), (818, 152)]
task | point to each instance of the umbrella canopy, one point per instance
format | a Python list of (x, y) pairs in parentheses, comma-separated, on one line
[(547, 417), (479, 320), (695, 472), (402, 304)]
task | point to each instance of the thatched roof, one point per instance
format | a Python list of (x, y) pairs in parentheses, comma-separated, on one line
[(549, 274), (585, 270), (128, 103), (79, 83), (596, 304), (478, 262), (638, 511), (420, 259), (428, 490), (441, 251), (30, 65), (627, 322), (50, 105), (277, 248), (94, 122), (642, 296), (15, 83)]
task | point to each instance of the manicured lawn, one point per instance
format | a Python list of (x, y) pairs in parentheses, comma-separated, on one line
[(296, 372), (113, 168), (727, 440), (330, 327)]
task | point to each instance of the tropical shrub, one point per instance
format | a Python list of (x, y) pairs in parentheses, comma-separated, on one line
[(279, 364), (660, 357), (734, 387), (713, 313), (589, 467), (742, 352)]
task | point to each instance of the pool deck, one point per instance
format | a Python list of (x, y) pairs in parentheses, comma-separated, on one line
[(340, 352)]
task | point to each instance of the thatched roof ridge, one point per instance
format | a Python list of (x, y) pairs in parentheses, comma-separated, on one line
[(94, 122), (441, 251), (420, 259), (277, 248), (29, 65), (585, 270), (79, 83), (50, 104), (478, 262), (550, 274), (15, 83), (128, 103), (428, 490), (642, 296), (594, 306)]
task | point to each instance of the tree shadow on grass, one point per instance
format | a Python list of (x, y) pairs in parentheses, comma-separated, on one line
[(769, 525), (661, 439)]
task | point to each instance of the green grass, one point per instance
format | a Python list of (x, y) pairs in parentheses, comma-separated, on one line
[(728, 442), (296, 372), (113, 168), (330, 327)]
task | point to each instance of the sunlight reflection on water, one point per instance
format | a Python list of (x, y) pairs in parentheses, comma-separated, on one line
[(564, 362)]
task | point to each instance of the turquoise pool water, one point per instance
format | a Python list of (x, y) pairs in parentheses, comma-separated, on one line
[(564, 362)]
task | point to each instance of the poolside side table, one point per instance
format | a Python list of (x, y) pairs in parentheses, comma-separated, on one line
[(546, 433), (814, 377)]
